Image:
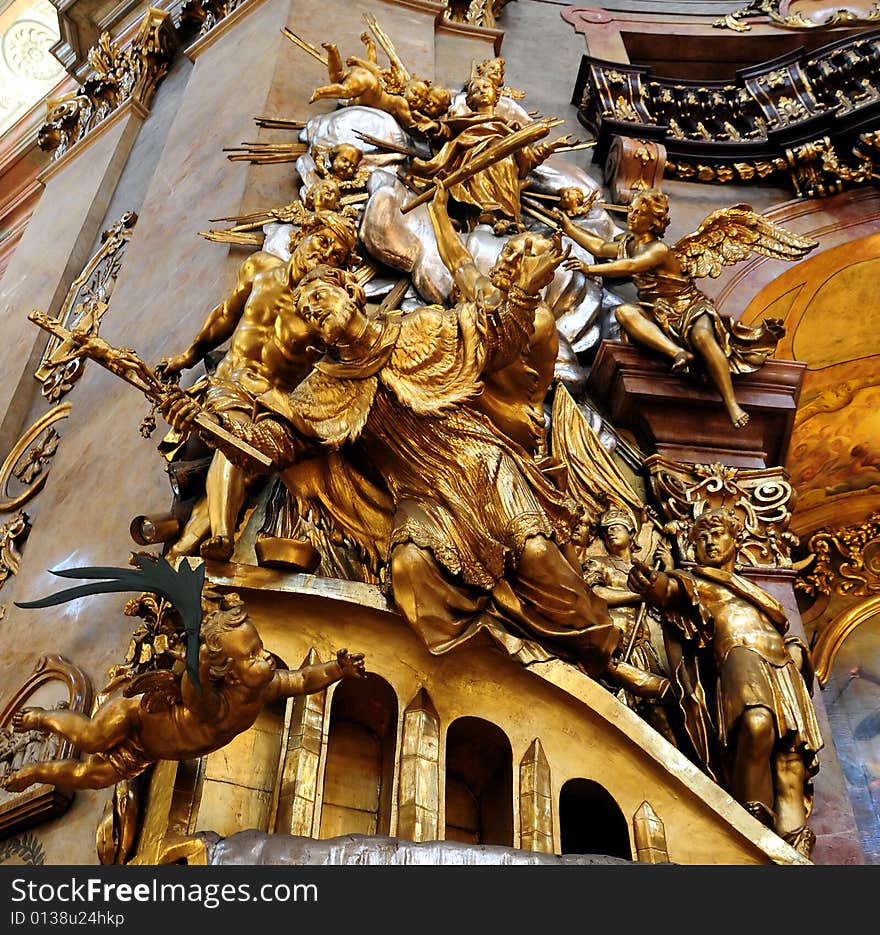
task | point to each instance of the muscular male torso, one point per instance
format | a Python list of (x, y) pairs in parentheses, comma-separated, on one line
[(271, 346)]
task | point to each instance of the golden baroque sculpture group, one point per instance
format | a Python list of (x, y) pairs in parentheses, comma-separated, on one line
[(389, 352)]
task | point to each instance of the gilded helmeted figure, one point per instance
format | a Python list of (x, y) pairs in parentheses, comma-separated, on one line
[(607, 575), (742, 681)]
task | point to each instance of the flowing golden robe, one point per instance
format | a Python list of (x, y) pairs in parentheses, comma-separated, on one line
[(496, 188), (465, 500)]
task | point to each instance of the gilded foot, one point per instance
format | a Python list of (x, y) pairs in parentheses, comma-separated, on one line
[(681, 361), (217, 548), (739, 418)]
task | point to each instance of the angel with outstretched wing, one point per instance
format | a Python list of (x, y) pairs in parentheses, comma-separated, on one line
[(673, 316)]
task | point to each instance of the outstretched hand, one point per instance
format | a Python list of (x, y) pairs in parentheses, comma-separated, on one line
[(351, 664), (578, 266), (565, 222), (170, 366), (535, 270)]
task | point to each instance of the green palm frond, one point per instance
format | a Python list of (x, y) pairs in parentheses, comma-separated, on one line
[(182, 588)]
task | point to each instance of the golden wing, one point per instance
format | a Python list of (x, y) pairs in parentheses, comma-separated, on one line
[(732, 234), (336, 409), (160, 690), (594, 479)]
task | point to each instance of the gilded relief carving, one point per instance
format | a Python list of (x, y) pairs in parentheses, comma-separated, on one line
[(847, 560), (65, 690), (398, 421), (84, 306), (12, 536), (26, 468), (117, 76), (802, 14), (762, 500)]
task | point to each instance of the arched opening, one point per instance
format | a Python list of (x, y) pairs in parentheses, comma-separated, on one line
[(238, 780), (479, 783), (591, 822), (359, 773)]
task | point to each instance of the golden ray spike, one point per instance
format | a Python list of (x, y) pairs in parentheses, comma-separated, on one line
[(279, 123), (248, 240), (385, 41), (540, 216), (365, 272), (305, 46), (583, 144), (392, 300), (542, 195)]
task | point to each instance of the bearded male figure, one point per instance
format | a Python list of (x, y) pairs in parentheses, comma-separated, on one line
[(270, 347), (475, 536)]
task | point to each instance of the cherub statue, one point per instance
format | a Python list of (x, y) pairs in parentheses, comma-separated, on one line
[(438, 101), (165, 716), (342, 164), (575, 202), (324, 195), (673, 316), (363, 82), (727, 643)]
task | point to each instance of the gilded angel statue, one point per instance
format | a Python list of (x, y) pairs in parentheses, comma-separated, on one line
[(673, 316)]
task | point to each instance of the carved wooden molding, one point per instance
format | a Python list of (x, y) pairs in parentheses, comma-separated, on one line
[(632, 166), (762, 499), (832, 635), (117, 76), (847, 560), (804, 116), (41, 802)]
